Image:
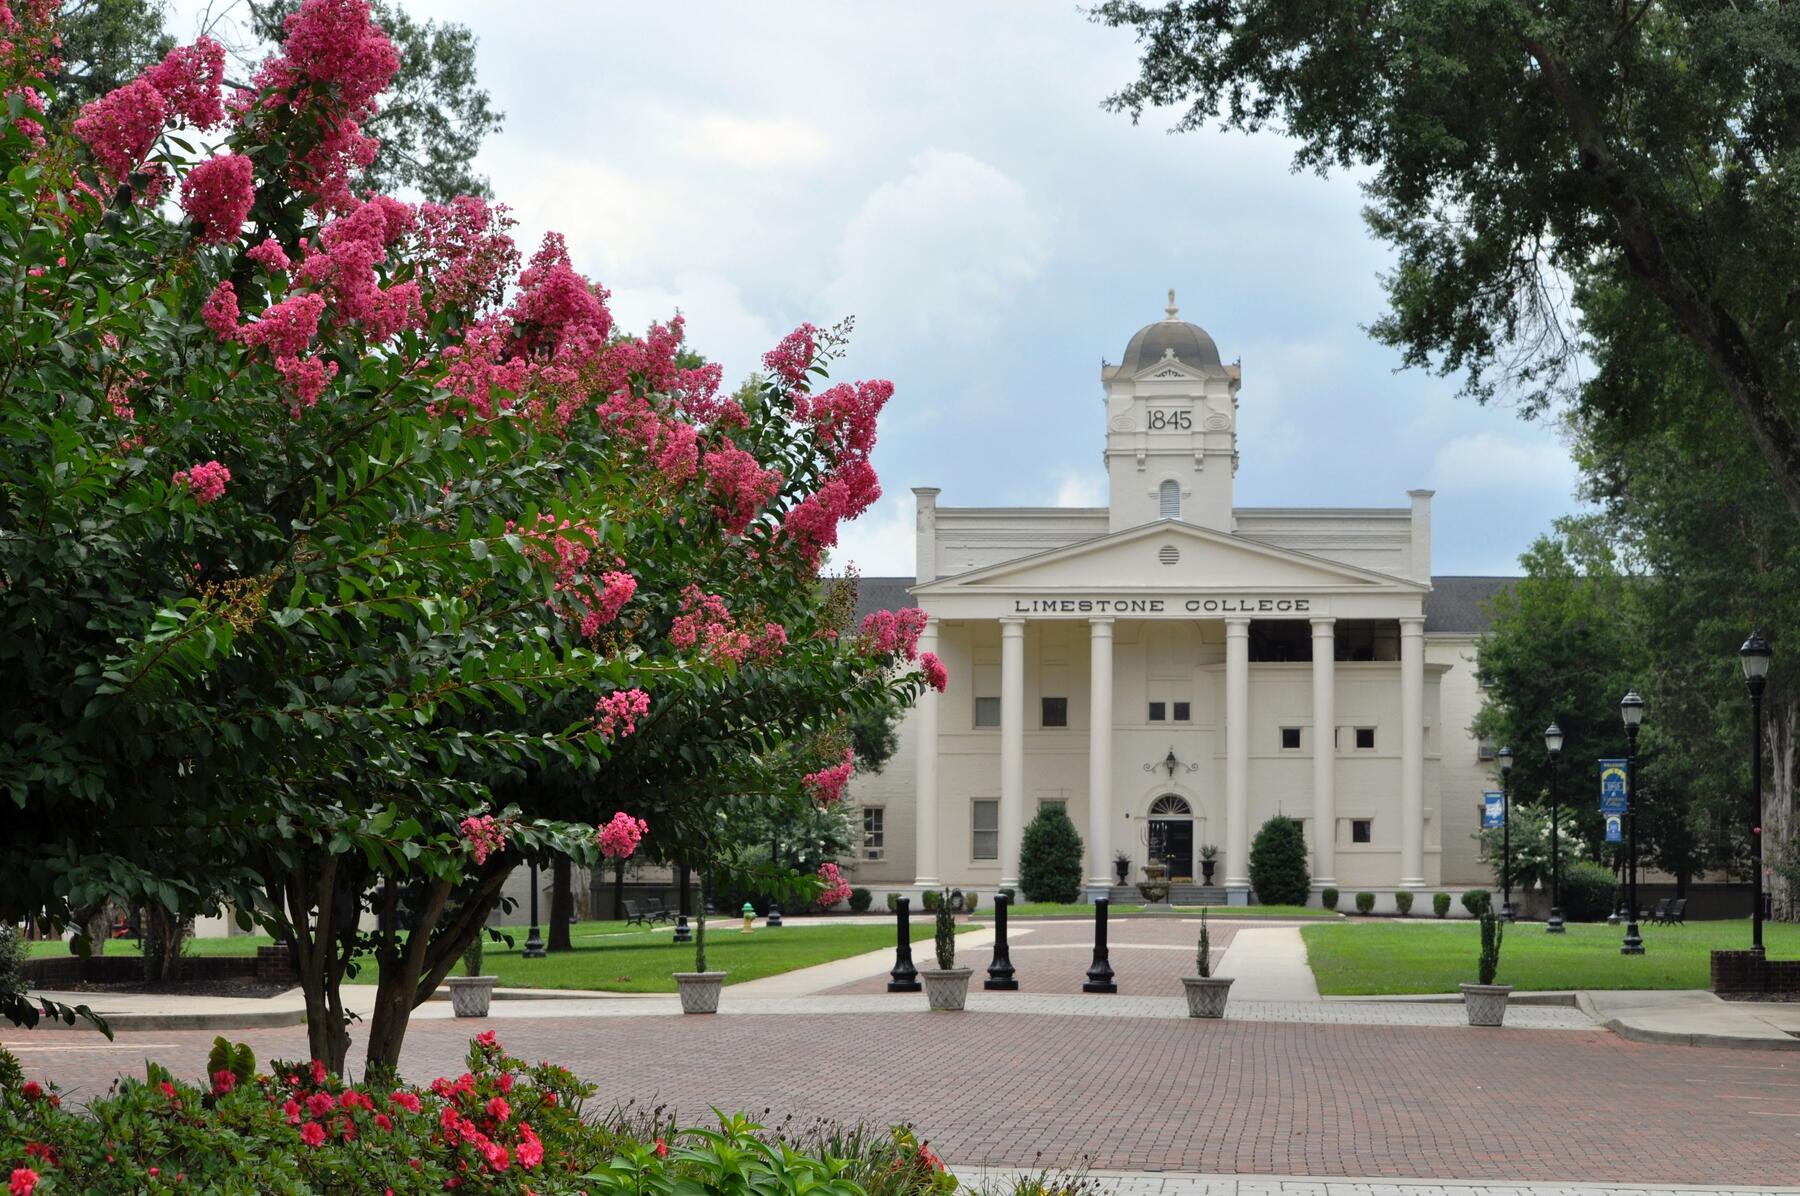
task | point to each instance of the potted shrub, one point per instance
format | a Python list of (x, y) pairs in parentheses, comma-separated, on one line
[(1209, 860), (1365, 903), (1122, 866), (1328, 898), (1403, 902), (1206, 992), (1486, 1001), (471, 992), (699, 988), (1440, 905), (946, 986)]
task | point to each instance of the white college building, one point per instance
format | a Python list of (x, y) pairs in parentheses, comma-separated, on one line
[(1174, 670)]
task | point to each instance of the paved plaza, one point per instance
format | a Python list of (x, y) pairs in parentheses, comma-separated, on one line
[(1125, 1084)]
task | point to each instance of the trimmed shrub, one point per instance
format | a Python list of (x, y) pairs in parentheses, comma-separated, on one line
[(1403, 903), (1493, 931), (1328, 898), (1050, 858), (1586, 891), (1365, 902), (946, 933), (471, 956), (893, 902), (1477, 900), (931, 900), (860, 900), (1278, 863), (970, 901), (1440, 905)]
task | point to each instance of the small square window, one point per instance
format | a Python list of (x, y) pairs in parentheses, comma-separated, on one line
[(1056, 712), (987, 712), (1362, 830), (1290, 739), (986, 841), (1365, 738), (1159, 712), (1182, 713)]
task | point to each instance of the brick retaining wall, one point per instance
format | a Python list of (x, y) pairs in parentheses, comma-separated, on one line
[(61, 971), (1752, 972)]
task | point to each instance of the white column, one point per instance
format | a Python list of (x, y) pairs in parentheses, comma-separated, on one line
[(1100, 732), (925, 776), (1412, 752), (1012, 747), (1324, 696), (1237, 760)]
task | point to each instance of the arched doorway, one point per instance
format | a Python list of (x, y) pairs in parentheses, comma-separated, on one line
[(1170, 836)]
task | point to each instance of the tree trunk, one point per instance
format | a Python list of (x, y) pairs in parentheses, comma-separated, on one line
[(1781, 853), (562, 904)]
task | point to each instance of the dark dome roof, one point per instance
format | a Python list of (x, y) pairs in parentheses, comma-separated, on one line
[(1190, 342)]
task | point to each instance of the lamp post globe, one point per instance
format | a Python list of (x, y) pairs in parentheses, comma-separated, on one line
[(1505, 756), (1755, 656), (1631, 713), (1553, 742)]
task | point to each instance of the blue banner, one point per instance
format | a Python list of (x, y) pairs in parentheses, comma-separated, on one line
[(1615, 828), (1614, 786), (1493, 811)]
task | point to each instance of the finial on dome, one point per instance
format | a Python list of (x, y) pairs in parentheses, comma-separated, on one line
[(1171, 309)]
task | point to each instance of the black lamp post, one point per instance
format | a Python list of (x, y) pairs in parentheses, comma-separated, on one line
[(1631, 710), (1553, 741), (1506, 763), (534, 941), (1755, 656)]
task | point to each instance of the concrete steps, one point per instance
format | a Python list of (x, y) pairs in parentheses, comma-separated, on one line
[(1178, 895)]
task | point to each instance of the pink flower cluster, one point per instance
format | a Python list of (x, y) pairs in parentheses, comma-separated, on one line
[(936, 675), (893, 632), (24, 1181), (620, 837), (29, 52), (484, 834), (789, 360), (740, 483), (843, 417), (121, 126), (206, 481), (616, 714), (707, 624), (812, 523), (592, 599), (220, 311), (836, 887), (827, 785), (217, 195), (464, 251)]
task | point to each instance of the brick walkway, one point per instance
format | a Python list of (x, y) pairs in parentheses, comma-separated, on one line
[(1019, 1089)]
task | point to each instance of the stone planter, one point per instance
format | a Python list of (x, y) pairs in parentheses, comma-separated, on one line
[(699, 991), (1207, 868), (1486, 1003), (1206, 995), (946, 989), (470, 995)]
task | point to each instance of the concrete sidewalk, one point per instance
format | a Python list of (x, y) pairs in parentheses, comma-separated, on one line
[(1690, 1017), (1171, 1183), (1268, 963)]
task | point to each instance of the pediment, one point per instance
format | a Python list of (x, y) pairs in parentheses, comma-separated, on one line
[(1169, 555), (1168, 369)]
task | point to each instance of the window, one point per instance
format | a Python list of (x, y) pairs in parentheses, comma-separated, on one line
[(1290, 739), (1056, 712), (986, 844), (1484, 750), (987, 712), (1182, 714), (1365, 738), (1159, 712), (874, 833), (1168, 500), (1362, 830)]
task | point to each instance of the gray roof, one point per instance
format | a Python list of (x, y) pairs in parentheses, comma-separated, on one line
[(1455, 605), (1190, 343)]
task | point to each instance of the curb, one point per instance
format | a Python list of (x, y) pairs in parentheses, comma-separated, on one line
[(260, 1019), (1635, 1033)]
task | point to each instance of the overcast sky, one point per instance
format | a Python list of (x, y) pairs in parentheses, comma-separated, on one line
[(943, 172)]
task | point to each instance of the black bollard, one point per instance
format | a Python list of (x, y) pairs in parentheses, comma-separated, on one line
[(774, 918), (904, 978), (1100, 973), (1000, 971)]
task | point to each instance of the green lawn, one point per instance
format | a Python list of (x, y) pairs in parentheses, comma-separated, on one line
[(637, 962), (1371, 958), (1053, 909), (246, 944)]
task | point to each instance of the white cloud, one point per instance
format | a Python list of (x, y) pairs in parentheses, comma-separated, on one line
[(1079, 489), (1512, 466), (719, 324), (940, 252), (883, 542)]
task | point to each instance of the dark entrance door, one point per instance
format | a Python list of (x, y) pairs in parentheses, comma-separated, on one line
[(1171, 841)]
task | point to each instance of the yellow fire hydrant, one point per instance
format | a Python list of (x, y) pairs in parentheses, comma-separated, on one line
[(749, 918)]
